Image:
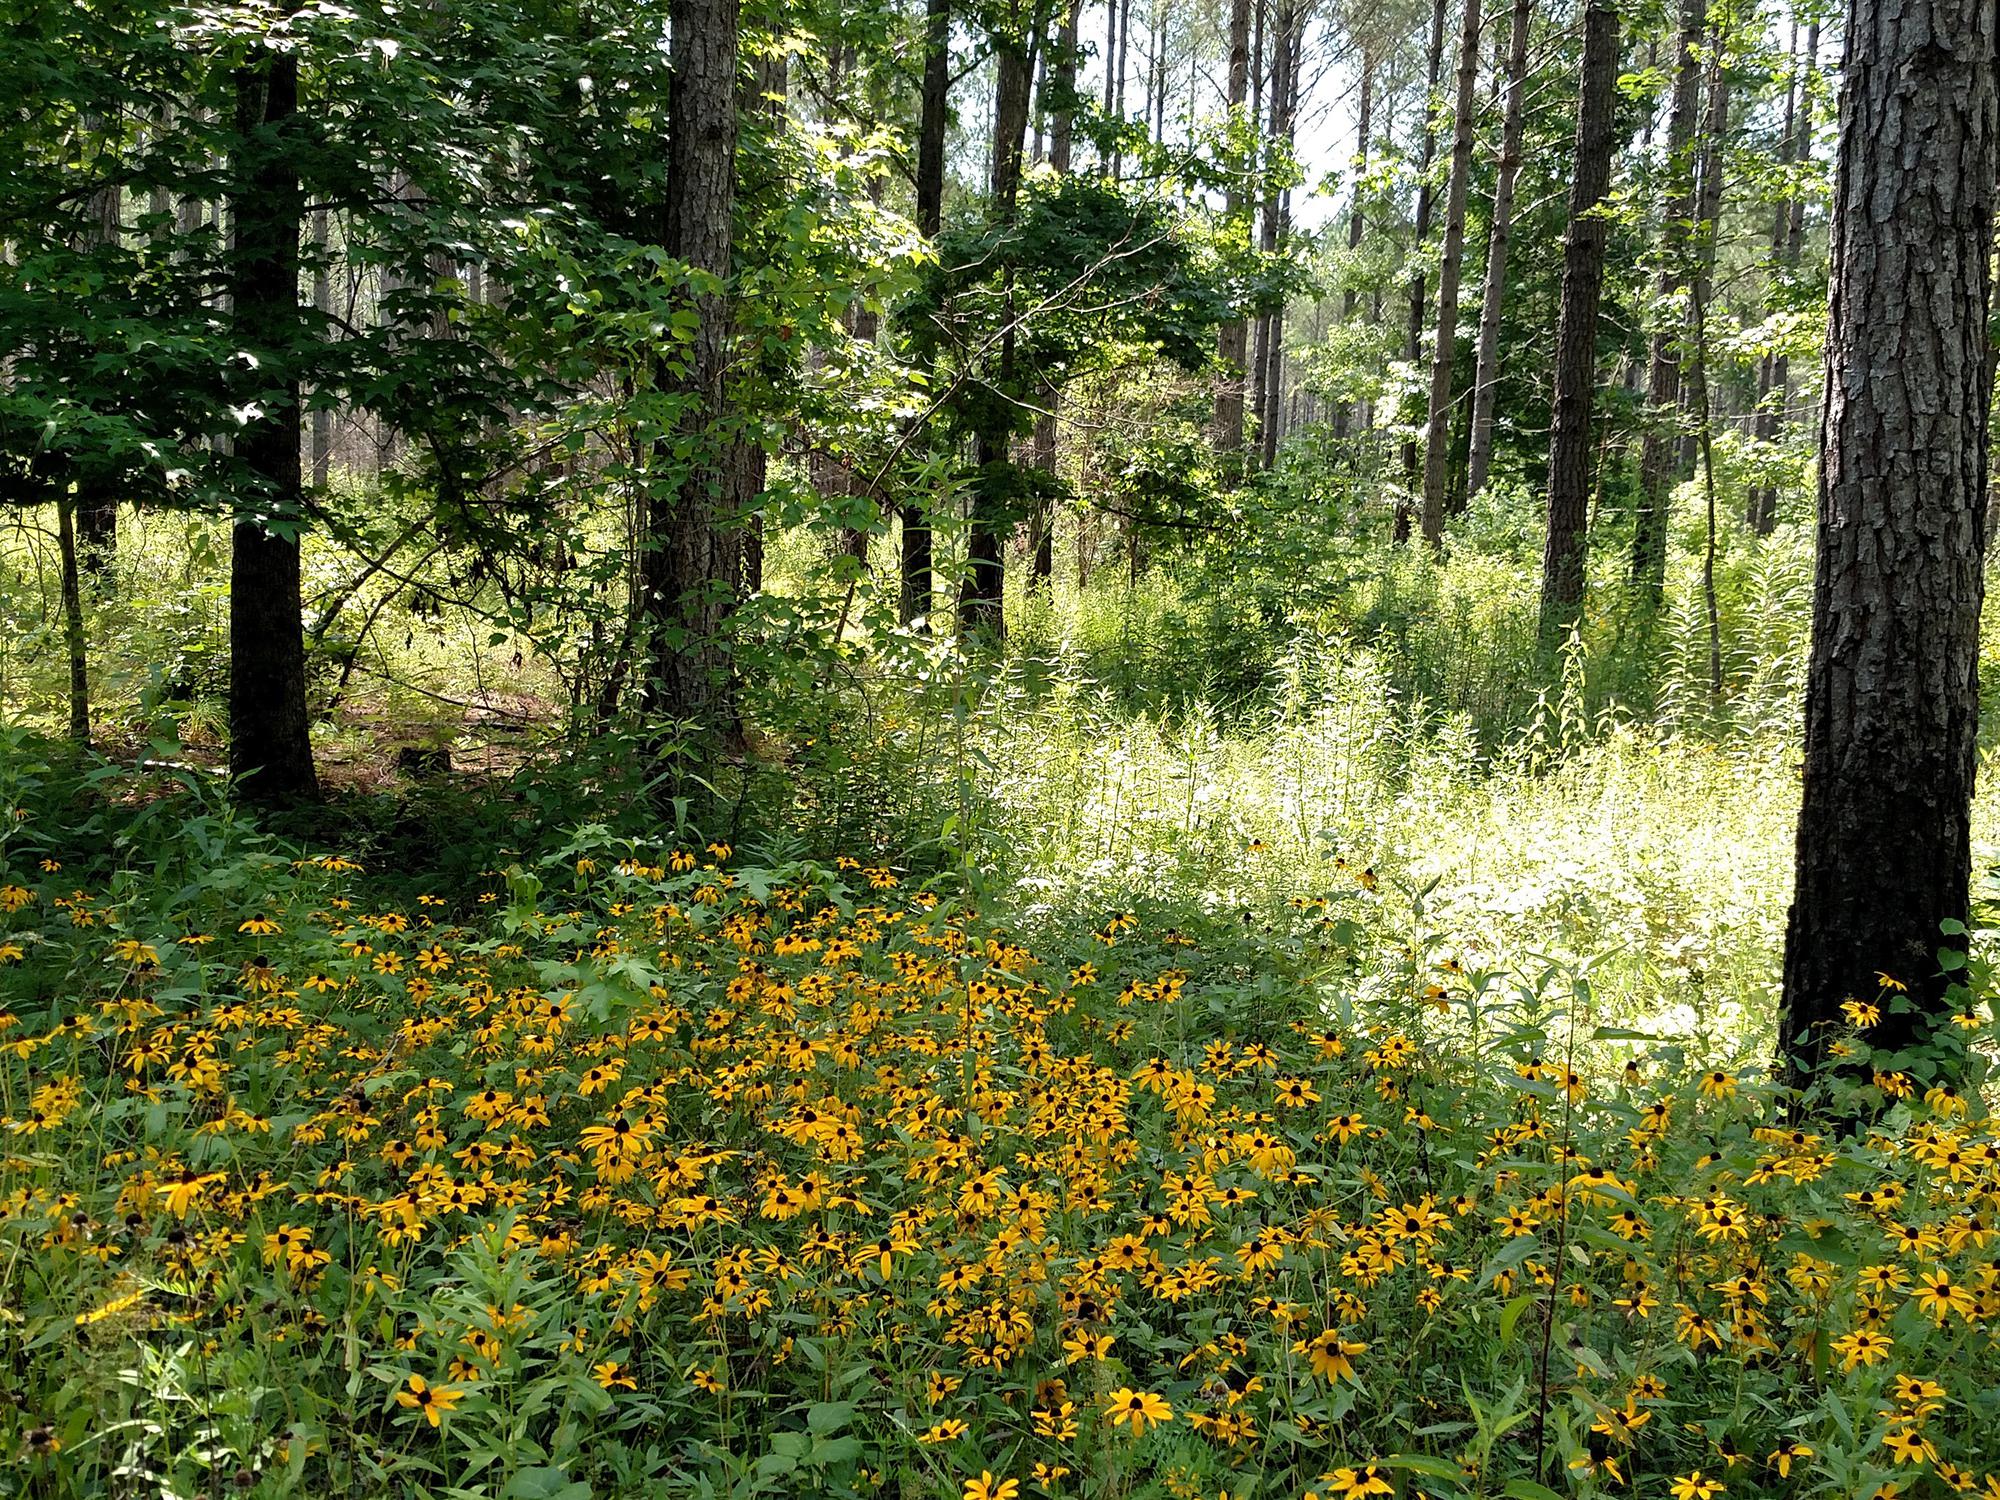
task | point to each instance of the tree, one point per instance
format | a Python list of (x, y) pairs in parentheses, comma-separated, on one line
[(933, 119), (1774, 389), (1232, 345), (981, 596), (688, 564), (1287, 48), (1892, 691), (1658, 454), (1062, 136), (1575, 384), (1486, 364), (1437, 442), (269, 728), (1413, 344)]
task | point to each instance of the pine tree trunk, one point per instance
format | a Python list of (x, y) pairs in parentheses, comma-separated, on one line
[(1437, 437), (1486, 365), (1413, 343), (1232, 340), (269, 732), (1892, 692), (1575, 387), (689, 566)]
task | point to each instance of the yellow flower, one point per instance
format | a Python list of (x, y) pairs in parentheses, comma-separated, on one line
[(1907, 1447), (1332, 1356), (1863, 1348), (611, 1375), (1695, 1487), (986, 1487), (1788, 1452), (1353, 1484), (432, 1400), (1138, 1408)]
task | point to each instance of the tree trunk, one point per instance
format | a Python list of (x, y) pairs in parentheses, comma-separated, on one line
[(1437, 437), (689, 566), (1106, 166), (1707, 219), (75, 642), (1061, 131), (1232, 339), (1287, 36), (322, 299), (1658, 469), (914, 603), (767, 94), (1788, 239), (1118, 102), (96, 521), (1575, 386), (269, 732), (1892, 692), (1348, 417), (981, 597), (1062, 126), (1486, 365), (1413, 343)]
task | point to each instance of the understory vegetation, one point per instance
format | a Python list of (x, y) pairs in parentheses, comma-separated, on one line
[(653, 1168)]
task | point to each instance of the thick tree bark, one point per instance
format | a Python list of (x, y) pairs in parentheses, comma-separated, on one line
[(1892, 693), (1575, 388), (1658, 470), (689, 566), (1486, 364), (1232, 339), (1413, 342), (1437, 436), (914, 603), (269, 732)]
